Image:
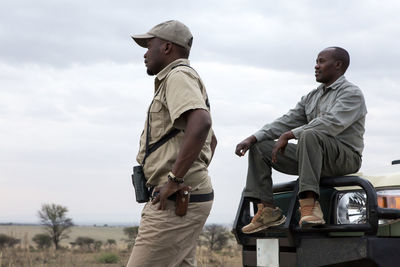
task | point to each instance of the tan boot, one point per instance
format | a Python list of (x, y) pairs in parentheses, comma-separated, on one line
[(311, 213), (265, 217)]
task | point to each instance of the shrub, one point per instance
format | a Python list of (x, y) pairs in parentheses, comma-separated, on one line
[(8, 241), (84, 242), (111, 242), (108, 258), (42, 240)]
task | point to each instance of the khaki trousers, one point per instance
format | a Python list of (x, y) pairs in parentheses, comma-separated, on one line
[(165, 239), (315, 155)]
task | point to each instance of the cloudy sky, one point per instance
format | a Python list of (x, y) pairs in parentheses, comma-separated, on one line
[(74, 91)]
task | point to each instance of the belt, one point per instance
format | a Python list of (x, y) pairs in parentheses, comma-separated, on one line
[(193, 197), (196, 197)]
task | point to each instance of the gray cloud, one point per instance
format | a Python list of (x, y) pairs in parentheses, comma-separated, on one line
[(279, 35)]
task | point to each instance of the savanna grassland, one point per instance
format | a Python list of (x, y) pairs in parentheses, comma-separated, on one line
[(105, 253)]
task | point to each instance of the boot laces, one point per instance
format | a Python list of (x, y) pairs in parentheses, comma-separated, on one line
[(257, 216), (306, 210)]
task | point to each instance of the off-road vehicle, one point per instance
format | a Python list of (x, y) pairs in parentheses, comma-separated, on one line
[(361, 211)]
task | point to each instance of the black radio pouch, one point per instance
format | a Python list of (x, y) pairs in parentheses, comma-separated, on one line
[(139, 183)]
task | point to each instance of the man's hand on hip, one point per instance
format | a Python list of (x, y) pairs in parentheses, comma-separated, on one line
[(165, 191), (243, 146), (281, 144)]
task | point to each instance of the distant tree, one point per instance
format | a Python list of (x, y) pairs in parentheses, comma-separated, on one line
[(42, 240), (84, 242), (8, 241), (216, 236), (110, 243), (97, 245), (4, 240), (131, 233), (53, 218)]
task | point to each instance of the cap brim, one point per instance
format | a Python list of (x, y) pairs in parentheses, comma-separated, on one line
[(141, 39)]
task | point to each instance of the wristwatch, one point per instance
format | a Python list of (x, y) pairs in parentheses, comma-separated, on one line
[(175, 179)]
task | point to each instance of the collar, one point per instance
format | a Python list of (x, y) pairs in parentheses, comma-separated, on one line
[(163, 73), (335, 85)]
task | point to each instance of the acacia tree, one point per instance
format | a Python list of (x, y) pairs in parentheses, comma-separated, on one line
[(110, 243), (53, 218), (84, 242), (216, 236), (131, 233)]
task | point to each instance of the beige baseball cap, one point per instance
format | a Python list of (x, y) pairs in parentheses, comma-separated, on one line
[(172, 30)]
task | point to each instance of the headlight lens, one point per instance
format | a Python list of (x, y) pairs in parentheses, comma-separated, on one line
[(351, 206)]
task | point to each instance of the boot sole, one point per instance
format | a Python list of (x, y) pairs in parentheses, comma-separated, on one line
[(311, 224), (265, 226)]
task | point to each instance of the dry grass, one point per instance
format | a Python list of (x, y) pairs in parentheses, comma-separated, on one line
[(71, 258), (50, 258), (230, 256), (25, 255)]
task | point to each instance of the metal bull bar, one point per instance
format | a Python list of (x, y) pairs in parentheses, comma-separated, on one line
[(374, 213)]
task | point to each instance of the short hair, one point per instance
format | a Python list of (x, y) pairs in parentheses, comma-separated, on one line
[(182, 51), (342, 55)]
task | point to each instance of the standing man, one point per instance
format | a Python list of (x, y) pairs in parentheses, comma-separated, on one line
[(328, 123), (180, 102)]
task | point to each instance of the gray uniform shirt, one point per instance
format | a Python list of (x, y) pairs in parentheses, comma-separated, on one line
[(337, 110)]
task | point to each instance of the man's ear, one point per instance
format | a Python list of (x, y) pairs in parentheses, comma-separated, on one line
[(167, 48), (338, 64)]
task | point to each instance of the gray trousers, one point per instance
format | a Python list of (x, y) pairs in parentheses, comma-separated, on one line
[(315, 155)]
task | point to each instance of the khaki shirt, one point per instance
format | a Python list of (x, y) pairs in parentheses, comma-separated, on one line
[(338, 110), (177, 90)]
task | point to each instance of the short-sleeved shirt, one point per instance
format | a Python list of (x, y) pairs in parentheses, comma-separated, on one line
[(177, 89), (337, 110)]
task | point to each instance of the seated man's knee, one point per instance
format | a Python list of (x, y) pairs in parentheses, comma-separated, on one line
[(309, 136), (263, 146)]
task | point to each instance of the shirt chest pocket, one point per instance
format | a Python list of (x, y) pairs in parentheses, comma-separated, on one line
[(310, 112), (157, 120)]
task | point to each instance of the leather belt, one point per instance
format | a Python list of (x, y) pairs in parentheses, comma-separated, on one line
[(196, 197), (193, 197)]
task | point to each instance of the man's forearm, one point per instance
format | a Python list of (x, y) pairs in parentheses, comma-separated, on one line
[(198, 124), (288, 135), (281, 144)]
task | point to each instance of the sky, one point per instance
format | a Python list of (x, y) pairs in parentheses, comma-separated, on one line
[(74, 91)]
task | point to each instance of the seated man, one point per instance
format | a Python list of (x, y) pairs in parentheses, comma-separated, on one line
[(328, 123)]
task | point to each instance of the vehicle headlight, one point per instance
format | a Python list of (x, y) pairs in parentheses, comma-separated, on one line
[(352, 209)]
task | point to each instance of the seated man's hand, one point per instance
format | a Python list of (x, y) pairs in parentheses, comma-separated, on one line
[(281, 144), (243, 146)]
